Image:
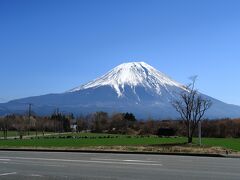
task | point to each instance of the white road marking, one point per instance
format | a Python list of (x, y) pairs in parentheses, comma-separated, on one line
[(124, 160), (36, 175), (5, 160), (90, 161), (129, 160), (6, 174)]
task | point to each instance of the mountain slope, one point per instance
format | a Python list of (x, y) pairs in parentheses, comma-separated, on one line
[(134, 87)]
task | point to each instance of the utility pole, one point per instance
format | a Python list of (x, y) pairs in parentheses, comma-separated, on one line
[(189, 128), (29, 115), (57, 111), (55, 119), (29, 110), (200, 133)]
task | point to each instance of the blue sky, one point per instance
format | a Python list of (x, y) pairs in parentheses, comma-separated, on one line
[(49, 46)]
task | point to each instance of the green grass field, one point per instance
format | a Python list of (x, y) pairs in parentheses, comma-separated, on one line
[(93, 139), (229, 143), (16, 133)]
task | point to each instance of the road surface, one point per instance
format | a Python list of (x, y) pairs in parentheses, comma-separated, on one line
[(94, 166)]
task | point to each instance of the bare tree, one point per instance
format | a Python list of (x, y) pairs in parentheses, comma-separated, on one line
[(192, 107)]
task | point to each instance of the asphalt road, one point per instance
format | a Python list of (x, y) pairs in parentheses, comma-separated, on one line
[(91, 166)]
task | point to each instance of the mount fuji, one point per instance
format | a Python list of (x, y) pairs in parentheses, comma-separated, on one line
[(130, 87)]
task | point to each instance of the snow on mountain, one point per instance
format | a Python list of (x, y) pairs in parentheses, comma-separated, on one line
[(132, 74)]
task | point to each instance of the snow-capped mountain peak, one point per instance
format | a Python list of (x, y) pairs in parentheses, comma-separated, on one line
[(132, 74)]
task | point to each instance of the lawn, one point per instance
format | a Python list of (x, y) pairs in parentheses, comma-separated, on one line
[(79, 140), (229, 143), (92, 140), (16, 133)]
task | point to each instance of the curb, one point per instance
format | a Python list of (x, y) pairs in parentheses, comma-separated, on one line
[(119, 152)]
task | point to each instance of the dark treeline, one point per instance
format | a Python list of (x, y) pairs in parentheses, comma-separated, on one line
[(23, 124), (118, 123), (127, 124)]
